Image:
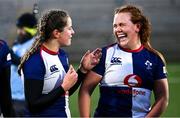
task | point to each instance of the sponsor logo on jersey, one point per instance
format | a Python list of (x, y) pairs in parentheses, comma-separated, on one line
[(133, 80), (53, 69), (148, 65), (134, 92), (116, 61)]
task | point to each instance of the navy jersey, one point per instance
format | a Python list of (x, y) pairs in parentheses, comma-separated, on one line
[(5, 57), (46, 69), (5, 90), (127, 81)]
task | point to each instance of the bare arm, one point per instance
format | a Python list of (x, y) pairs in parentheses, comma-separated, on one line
[(87, 87), (88, 61), (161, 92)]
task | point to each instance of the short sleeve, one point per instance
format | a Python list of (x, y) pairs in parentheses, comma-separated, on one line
[(34, 68), (100, 68), (160, 70), (5, 56)]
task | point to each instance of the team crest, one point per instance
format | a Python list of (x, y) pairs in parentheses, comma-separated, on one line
[(148, 65)]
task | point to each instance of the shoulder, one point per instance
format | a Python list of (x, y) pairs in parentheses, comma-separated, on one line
[(27, 44), (4, 49), (34, 59), (109, 46), (3, 45), (100, 67), (152, 56), (106, 49), (62, 55), (62, 52), (34, 66), (5, 57)]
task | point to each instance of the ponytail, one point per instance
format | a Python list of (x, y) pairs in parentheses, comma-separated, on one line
[(149, 47), (36, 44)]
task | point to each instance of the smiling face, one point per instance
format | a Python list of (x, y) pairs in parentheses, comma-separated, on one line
[(66, 34), (125, 31)]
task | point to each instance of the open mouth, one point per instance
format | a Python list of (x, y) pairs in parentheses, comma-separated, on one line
[(121, 36)]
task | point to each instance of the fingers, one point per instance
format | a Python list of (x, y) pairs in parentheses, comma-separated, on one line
[(95, 61), (97, 55), (97, 52), (72, 71), (90, 59), (87, 53), (70, 78)]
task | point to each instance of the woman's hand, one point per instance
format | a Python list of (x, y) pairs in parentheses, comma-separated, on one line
[(69, 79), (90, 60)]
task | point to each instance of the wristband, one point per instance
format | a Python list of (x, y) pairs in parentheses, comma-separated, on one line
[(81, 75)]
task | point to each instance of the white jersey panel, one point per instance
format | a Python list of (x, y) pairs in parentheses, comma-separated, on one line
[(54, 72), (140, 102), (118, 65)]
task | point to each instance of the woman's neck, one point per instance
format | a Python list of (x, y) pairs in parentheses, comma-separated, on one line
[(52, 45), (135, 46)]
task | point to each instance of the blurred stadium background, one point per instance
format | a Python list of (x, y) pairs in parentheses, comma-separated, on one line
[(92, 22)]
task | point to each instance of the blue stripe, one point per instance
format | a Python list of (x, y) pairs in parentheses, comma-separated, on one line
[(100, 68), (64, 59), (145, 72), (34, 67)]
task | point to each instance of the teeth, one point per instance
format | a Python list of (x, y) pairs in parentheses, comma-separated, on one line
[(121, 35)]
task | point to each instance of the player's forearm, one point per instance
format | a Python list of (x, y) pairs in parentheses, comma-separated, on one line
[(81, 76), (84, 104), (159, 107), (34, 97)]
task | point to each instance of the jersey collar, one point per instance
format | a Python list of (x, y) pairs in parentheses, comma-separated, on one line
[(49, 51), (128, 50)]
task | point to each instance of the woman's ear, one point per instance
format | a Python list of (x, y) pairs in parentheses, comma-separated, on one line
[(56, 33), (138, 27)]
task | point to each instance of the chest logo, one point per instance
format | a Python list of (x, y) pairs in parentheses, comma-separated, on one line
[(53, 68), (116, 61), (148, 65), (133, 80)]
